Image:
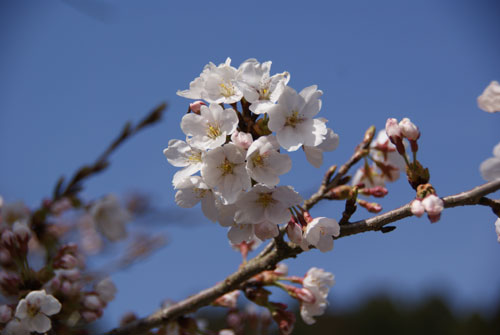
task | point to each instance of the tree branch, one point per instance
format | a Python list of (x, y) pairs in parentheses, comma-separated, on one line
[(267, 260)]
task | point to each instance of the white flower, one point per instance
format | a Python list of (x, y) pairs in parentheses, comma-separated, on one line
[(497, 228), (193, 190), (292, 118), (226, 332), (265, 163), (215, 84), (110, 217), (263, 203), (318, 282), (224, 169), (314, 155), (258, 88), (210, 128), (15, 211), (319, 233), (489, 100), (320, 279), (490, 168), (5, 313), (33, 311), (368, 176), (15, 327), (106, 290), (386, 152), (181, 154)]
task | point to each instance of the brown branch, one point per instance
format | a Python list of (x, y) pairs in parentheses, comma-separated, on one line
[(267, 260)]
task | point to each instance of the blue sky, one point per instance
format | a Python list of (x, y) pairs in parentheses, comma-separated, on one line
[(73, 71)]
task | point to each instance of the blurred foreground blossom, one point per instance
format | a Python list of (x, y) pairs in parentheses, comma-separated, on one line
[(35, 309), (489, 100), (490, 168), (110, 217)]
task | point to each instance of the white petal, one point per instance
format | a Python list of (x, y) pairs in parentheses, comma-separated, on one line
[(490, 169), (240, 233), (290, 139), (40, 323), (314, 155), (208, 206)]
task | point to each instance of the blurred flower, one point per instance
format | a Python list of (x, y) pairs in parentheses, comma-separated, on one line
[(489, 100), (110, 217), (490, 168), (106, 290), (497, 228), (33, 311)]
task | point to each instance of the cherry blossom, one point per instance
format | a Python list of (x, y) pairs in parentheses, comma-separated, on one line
[(224, 169), (490, 168), (314, 155), (241, 139), (292, 118), (106, 290), (193, 190), (265, 163), (181, 154), (264, 203), (320, 231), (34, 311), (320, 279), (110, 217), (489, 100), (215, 84), (497, 228), (258, 88), (318, 283), (209, 129)]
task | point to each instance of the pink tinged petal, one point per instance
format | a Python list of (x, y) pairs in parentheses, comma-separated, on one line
[(208, 206), (417, 208), (22, 309), (51, 305), (325, 243), (294, 232), (266, 230), (240, 233), (40, 323), (314, 155)]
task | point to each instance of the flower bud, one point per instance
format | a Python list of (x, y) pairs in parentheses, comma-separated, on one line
[(305, 295), (5, 313), (196, 106), (92, 301), (409, 129), (285, 321), (417, 208), (371, 207), (294, 232), (433, 206), (393, 130), (241, 139), (106, 290), (89, 316), (22, 232)]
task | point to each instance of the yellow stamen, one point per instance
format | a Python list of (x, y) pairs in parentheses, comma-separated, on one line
[(293, 120), (226, 167), (257, 160), (200, 192), (213, 131), (226, 90), (265, 199), (195, 157)]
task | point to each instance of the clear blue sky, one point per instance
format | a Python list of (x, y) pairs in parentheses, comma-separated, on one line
[(72, 71)]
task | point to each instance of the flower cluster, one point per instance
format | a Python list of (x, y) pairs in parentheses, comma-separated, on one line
[(237, 152)]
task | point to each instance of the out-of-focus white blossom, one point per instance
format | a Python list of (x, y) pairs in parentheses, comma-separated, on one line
[(385, 151), (490, 168), (34, 311), (318, 283), (264, 203), (489, 100), (181, 154), (15, 211), (15, 327), (292, 118), (5, 313), (110, 217), (209, 129), (368, 176), (193, 190), (265, 163), (224, 169), (106, 290), (216, 84), (266, 229), (226, 332), (320, 231), (392, 129), (258, 88)]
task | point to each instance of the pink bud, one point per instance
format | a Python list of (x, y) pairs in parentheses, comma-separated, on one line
[(22, 232), (285, 321), (241, 139), (433, 206), (305, 295), (294, 232), (89, 316), (68, 262), (92, 301), (409, 129), (195, 107), (8, 239), (5, 313), (417, 208), (392, 129)]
